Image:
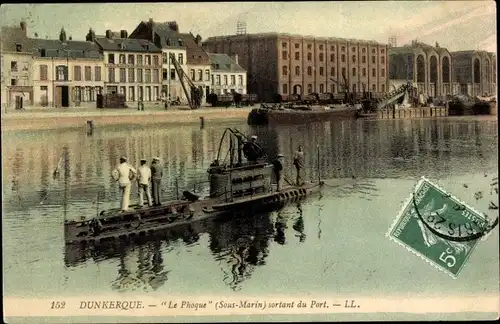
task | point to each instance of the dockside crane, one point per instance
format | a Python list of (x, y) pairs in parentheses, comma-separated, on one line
[(194, 95), (345, 86)]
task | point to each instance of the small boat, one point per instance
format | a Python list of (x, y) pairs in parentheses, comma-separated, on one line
[(235, 186)]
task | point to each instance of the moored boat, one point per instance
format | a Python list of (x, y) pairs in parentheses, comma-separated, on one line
[(235, 186)]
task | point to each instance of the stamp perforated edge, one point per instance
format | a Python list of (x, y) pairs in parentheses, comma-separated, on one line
[(420, 255)]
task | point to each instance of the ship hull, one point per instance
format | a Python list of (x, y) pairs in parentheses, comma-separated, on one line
[(292, 116)]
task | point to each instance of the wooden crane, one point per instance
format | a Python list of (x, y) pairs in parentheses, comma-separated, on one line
[(193, 96), (345, 86)]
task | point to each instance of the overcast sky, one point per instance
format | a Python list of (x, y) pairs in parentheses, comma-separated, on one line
[(457, 25)]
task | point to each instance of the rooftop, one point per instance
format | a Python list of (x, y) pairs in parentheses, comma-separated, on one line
[(127, 45), (195, 53), (223, 63), (274, 34), (70, 48)]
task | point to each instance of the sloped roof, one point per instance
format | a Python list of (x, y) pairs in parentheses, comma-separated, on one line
[(195, 53), (223, 63), (10, 36), (72, 49), (127, 45), (168, 37)]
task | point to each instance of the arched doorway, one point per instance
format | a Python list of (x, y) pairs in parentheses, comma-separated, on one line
[(445, 71), (433, 75), (420, 69), (297, 89)]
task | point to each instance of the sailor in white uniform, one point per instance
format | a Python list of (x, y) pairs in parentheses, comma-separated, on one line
[(143, 181), (124, 173)]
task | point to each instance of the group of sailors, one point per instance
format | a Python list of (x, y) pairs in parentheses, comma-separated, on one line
[(148, 181), (149, 177)]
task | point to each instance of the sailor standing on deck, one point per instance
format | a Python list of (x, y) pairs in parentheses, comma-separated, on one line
[(278, 169), (143, 181), (124, 173), (156, 175), (298, 161), (252, 150)]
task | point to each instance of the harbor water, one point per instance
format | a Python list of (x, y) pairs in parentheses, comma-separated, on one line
[(334, 243)]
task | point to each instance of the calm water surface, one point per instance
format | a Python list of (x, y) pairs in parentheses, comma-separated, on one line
[(333, 244)]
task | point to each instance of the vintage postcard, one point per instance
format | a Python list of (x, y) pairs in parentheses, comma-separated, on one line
[(249, 161)]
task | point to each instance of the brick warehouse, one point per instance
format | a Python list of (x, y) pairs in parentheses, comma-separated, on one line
[(294, 64)]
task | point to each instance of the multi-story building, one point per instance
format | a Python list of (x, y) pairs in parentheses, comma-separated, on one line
[(198, 63), (227, 75), (167, 37), (429, 67), (294, 64), (133, 67), (16, 66), (475, 72), (66, 73)]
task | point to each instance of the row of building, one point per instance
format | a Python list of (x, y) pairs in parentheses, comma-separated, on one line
[(68, 73), (64, 72)]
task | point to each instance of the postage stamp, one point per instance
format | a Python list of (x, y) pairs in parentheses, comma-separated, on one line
[(439, 227)]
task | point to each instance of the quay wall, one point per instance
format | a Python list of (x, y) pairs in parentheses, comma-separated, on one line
[(412, 113)]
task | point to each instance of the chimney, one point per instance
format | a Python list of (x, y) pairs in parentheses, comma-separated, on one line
[(90, 36), (109, 34), (198, 40), (62, 36), (70, 38), (235, 58), (123, 34), (23, 27)]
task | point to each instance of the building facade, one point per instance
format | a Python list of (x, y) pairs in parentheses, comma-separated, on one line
[(227, 75), (166, 36), (133, 67), (16, 66), (475, 72), (294, 64), (198, 64), (66, 73), (429, 67)]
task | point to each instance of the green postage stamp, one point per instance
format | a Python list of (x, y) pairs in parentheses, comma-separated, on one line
[(439, 228)]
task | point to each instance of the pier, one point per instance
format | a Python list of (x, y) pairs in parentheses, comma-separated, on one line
[(412, 112)]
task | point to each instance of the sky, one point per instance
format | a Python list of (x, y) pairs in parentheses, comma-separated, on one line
[(456, 25)]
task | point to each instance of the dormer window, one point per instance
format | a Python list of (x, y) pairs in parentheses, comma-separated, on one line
[(168, 41), (43, 53), (180, 42), (19, 47)]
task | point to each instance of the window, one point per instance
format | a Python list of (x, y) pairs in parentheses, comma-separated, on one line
[(373, 59), (320, 47), (123, 75), (19, 47), (88, 73), (139, 75), (364, 72), (342, 58), (283, 45), (212, 76), (321, 57), (383, 87), (297, 55), (147, 76), (284, 70), (342, 48), (156, 60), (363, 50), (332, 57), (44, 71), (181, 58), (233, 79), (156, 76), (130, 59), (148, 94), (373, 51), (309, 46), (309, 56), (147, 59), (382, 73), (77, 70), (156, 93), (225, 79), (284, 55), (353, 49), (353, 71), (13, 66), (321, 71), (321, 88), (297, 45), (97, 73), (374, 87), (354, 88), (200, 75), (240, 79), (382, 51), (111, 58), (374, 73), (354, 59), (140, 93), (131, 96), (13, 82), (122, 59), (309, 70), (332, 71), (363, 59), (382, 60), (191, 72), (139, 59), (309, 88), (217, 79), (207, 75), (43, 52), (122, 90), (285, 88), (111, 75), (131, 75), (297, 70)]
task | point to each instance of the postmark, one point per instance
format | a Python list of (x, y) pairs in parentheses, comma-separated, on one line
[(440, 228)]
